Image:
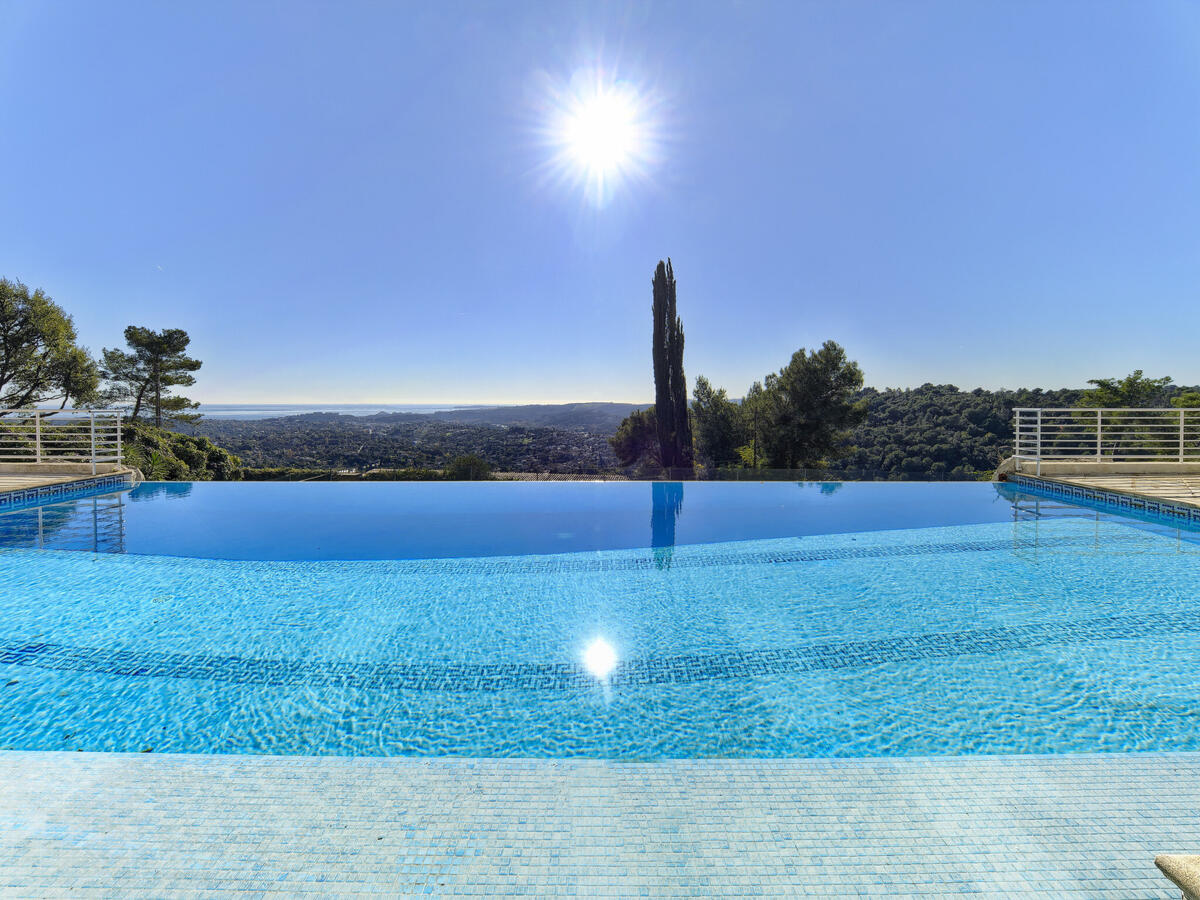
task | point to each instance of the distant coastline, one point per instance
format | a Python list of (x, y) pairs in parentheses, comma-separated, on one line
[(252, 411)]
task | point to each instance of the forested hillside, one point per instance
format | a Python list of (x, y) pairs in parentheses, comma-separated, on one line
[(937, 431), (598, 417)]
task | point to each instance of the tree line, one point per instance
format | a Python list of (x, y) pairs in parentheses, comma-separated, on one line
[(814, 413), (43, 363), (794, 418)]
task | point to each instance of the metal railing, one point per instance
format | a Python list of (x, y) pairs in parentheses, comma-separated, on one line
[(1099, 436), (40, 436)]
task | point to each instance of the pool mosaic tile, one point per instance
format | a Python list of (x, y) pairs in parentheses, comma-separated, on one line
[(460, 677)]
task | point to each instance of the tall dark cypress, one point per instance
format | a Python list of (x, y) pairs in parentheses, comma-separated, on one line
[(670, 388)]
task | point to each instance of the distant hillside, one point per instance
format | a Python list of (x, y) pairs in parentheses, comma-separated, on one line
[(929, 432), (409, 440), (595, 417)]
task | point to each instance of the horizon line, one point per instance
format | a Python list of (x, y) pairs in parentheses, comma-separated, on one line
[(478, 403)]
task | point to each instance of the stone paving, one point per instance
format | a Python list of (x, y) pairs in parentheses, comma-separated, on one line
[(97, 824), (1175, 488), (23, 480)]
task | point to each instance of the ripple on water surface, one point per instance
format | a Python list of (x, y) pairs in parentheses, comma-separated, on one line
[(1057, 636)]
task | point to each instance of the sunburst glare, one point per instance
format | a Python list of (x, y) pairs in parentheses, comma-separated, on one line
[(600, 658), (603, 134)]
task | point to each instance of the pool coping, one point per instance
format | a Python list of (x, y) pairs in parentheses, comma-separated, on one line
[(1172, 511), (65, 490)]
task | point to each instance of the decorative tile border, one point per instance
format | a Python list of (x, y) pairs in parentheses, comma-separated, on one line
[(65, 490), (441, 676), (1167, 510)]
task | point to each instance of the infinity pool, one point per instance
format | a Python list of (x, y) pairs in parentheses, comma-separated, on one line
[(631, 621)]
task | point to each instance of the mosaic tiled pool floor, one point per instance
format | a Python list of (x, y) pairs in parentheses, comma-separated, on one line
[(688, 669), (1031, 636), (1065, 826)]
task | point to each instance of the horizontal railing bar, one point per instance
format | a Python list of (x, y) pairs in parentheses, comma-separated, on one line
[(1084, 410), (40, 436), (1117, 429), (62, 457), (1091, 454), (1099, 435), (1112, 456), (1112, 451), (26, 411), (1088, 457)]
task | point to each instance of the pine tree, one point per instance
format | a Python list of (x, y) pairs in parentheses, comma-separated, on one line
[(146, 376), (670, 387)]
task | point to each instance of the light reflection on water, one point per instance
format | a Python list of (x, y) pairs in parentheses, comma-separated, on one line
[(746, 620)]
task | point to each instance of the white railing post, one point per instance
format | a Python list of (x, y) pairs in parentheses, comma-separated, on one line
[(118, 418), (1039, 441), (37, 436), (1099, 433), (1017, 439), (92, 420), (1181, 411)]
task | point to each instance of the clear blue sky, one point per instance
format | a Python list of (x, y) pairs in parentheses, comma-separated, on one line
[(353, 201)]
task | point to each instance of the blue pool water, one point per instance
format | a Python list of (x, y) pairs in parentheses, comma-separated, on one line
[(638, 621)]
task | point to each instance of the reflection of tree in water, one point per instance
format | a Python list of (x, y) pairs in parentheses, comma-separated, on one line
[(148, 490), (825, 487), (668, 503), (96, 524)]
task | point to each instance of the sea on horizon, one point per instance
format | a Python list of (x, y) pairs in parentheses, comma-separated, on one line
[(278, 410)]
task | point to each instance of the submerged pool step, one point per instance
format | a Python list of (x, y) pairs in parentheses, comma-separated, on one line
[(703, 556)]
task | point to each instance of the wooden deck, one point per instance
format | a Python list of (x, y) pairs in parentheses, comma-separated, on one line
[(1175, 488)]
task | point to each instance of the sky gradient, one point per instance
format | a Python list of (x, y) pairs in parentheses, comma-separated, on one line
[(348, 202)]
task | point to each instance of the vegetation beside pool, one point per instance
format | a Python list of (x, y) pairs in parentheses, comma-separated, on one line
[(163, 455)]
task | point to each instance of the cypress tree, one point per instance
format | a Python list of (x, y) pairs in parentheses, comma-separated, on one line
[(670, 388)]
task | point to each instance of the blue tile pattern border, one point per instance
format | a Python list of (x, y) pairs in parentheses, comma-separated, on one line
[(54, 493), (561, 676), (1166, 510)]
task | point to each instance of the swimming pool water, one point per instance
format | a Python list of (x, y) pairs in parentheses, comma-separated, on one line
[(421, 520), (744, 620)]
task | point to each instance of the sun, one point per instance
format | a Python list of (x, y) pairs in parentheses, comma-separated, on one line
[(603, 134)]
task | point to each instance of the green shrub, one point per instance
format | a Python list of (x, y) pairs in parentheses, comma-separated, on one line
[(402, 475), (468, 468), (163, 455)]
